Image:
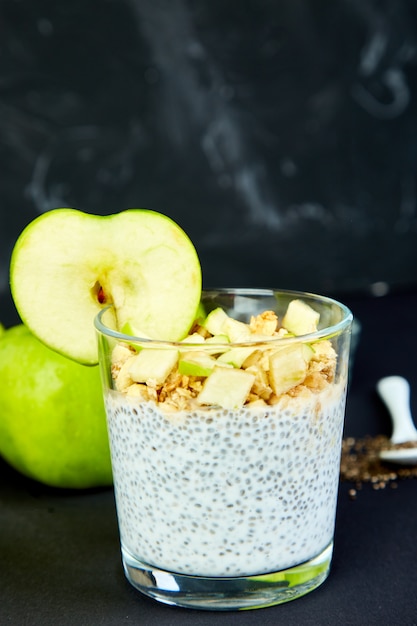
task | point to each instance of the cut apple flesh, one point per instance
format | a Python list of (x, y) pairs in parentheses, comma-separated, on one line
[(288, 367), (67, 265), (300, 318), (227, 388), (237, 356), (153, 364), (196, 364), (218, 322)]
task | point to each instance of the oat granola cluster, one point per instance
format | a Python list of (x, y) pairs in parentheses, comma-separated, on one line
[(178, 392)]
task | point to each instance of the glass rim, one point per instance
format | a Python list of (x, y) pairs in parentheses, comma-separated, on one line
[(325, 332)]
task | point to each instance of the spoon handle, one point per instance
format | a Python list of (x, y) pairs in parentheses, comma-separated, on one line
[(395, 392)]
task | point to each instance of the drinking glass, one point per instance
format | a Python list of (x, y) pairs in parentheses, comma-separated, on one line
[(222, 506)]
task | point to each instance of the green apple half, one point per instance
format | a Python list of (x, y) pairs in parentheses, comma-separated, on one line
[(52, 417), (66, 265)]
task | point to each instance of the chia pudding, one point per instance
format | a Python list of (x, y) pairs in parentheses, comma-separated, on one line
[(216, 492)]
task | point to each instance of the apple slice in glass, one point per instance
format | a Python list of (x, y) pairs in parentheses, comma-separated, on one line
[(67, 265)]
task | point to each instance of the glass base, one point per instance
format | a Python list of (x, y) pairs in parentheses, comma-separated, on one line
[(228, 594)]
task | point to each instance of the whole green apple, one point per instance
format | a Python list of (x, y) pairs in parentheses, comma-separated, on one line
[(52, 418)]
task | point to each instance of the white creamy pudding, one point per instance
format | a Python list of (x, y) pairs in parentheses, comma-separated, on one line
[(216, 492)]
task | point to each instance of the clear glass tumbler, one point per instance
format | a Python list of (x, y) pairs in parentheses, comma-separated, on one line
[(225, 505)]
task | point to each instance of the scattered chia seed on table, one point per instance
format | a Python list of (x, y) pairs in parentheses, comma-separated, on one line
[(360, 463)]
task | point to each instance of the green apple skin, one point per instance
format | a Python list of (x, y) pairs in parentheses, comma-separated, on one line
[(67, 265), (52, 419)]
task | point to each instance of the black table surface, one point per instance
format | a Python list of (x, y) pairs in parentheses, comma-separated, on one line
[(59, 551)]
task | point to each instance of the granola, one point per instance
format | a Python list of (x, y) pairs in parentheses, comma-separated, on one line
[(179, 392)]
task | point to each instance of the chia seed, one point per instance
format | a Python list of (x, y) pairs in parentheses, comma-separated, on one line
[(169, 506)]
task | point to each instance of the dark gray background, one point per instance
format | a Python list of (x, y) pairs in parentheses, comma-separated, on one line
[(280, 134)]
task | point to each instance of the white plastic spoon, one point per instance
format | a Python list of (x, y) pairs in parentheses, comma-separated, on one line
[(395, 392)]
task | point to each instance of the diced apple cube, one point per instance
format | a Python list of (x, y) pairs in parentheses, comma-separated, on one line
[(194, 338), (153, 364), (215, 321), (216, 344), (260, 358), (218, 322), (236, 356), (236, 331), (227, 388), (196, 364), (218, 339), (288, 367), (300, 318)]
